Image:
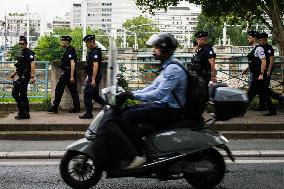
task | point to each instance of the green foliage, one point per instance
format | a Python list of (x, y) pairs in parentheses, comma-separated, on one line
[(49, 47), (130, 102), (214, 30), (234, 11), (236, 33), (46, 103), (139, 25), (122, 81), (13, 53)]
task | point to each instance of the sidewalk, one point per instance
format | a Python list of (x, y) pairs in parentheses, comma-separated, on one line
[(65, 126)]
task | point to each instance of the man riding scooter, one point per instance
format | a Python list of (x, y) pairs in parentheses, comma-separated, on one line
[(160, 106)]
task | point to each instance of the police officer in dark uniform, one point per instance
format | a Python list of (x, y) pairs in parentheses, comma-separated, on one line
[(257, 66), (93, 70), (68, 77), (203, 62), (25, 69), (269, 54)]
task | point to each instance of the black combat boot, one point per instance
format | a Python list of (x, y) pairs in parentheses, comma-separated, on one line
[(53, 109), (74, 110), (86, 116), (22, 115)]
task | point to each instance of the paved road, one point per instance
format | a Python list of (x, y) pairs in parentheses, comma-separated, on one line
[(247, 173)]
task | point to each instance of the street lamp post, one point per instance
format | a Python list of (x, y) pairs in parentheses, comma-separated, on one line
[(28, 25), (84, 27), (5, 39)]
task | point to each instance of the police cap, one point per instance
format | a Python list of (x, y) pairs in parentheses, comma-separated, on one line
[(263, 35), (66, 38), (89, 38), (253, 33), (201, 34), (23, 38)]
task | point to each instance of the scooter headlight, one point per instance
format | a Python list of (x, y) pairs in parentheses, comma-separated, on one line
[(90, 135)]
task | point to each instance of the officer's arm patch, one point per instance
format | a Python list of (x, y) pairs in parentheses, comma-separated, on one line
[(70, 55), (31, 56), (95, 56)]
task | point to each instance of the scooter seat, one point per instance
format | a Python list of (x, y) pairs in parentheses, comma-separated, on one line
[(146, 129)]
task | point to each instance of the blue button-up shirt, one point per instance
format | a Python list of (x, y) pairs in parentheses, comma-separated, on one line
[(171, 79)]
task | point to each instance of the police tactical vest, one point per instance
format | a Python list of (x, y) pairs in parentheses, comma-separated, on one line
[(200, 64), (88, 66), (23, 66), (267, 48), (254, 62), (65, 60)]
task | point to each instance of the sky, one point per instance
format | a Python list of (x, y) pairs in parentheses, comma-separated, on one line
[(50, 8)]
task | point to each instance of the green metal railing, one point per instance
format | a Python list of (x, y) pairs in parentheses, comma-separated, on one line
[(142, 71), (38, 90)]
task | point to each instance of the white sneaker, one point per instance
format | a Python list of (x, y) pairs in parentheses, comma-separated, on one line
[(136, 162)]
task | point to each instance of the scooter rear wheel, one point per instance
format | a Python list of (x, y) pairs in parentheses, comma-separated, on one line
[(212, 179), (79, 171)]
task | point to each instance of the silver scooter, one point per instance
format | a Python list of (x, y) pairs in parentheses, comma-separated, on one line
[(187, 151)]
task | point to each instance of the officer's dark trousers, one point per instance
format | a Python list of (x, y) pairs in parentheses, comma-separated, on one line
[(92, 93), (258, 87), (206, 79), (19, 93), (64, 81), (157, 114), (270, 92)]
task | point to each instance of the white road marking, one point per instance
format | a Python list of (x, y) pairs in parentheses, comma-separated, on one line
[(256, 161), (56, 162)]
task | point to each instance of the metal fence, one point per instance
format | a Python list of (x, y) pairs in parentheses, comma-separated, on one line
[(38, 90), (140, 70), (143, 70)]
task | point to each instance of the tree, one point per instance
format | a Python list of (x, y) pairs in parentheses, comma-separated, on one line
[(247, 10), (33, 32), (236, 33), (13, 53), (214, 30), (139, 25), (49, 48), (237, 36)]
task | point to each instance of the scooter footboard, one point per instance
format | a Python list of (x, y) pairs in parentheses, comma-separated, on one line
[(83, 145)]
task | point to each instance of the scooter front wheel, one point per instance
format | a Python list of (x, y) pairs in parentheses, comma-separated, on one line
[(209, 179), (79, 171)]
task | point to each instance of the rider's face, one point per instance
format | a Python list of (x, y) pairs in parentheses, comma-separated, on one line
[(156, 52)]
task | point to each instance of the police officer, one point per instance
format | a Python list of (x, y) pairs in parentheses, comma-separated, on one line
[(93, 70), (269, 54), (68, 77), (25, 69), (203, 62), (257, 66)]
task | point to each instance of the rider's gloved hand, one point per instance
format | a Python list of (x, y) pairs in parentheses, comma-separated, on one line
[(122, 97)]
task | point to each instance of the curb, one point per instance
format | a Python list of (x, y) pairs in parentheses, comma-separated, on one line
[(75, 135), (59, 154)]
